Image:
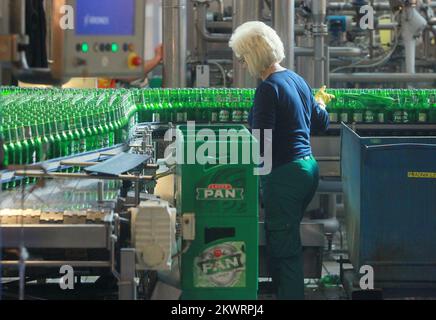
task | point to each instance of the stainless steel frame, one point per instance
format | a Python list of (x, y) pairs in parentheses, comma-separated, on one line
[(45, 236)]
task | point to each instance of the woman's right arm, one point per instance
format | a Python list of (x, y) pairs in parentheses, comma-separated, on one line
[(320, 117), (320, 120)]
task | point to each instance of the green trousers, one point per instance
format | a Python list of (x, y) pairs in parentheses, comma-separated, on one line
[(287, 192)]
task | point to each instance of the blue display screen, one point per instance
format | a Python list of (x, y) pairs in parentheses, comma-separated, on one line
[(105, 18)]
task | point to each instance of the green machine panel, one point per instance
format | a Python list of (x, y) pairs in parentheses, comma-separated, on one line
[(222, 192)]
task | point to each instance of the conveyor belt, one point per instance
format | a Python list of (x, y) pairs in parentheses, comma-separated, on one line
[(61, 196), (33, 217)]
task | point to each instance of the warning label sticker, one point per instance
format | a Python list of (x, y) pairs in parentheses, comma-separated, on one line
[(421, 175)]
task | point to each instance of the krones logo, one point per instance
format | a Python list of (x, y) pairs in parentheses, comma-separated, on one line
[(220, 192)]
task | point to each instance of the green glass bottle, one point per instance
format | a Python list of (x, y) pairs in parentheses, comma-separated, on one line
[(214, 108), (223, 101), (26, 152), (18, 154), (65, 138), (6, 140), (45, 142), (344, 110), (248, 104), (156, 106), (91, 134), (144, 107), (333, 109), (37, 141), (236, 105), (398, 108), (11, 153), (423, 107), (73, 146), (57, 148), (432, 106), (181, 105), (117, 126), (52, 150)]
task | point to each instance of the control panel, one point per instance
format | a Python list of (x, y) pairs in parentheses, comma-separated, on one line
[(107, 39)]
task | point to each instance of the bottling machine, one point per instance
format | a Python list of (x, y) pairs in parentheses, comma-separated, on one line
[(131, 225)]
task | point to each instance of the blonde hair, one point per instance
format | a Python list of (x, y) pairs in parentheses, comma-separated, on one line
[(259, 45)]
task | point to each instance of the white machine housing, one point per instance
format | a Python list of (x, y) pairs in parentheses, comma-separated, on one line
[(153, 234)]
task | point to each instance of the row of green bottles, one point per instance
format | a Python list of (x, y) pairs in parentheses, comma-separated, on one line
[(43, 124), (46, 124), (200, 105), (383, 106)]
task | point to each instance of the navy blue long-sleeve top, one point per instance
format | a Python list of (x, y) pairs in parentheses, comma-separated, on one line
[(284, 103)]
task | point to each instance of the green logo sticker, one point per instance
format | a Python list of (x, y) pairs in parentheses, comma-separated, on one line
[(222, 266)]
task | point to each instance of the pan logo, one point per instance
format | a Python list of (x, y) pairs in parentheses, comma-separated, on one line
[(223, 265), (220, 192)]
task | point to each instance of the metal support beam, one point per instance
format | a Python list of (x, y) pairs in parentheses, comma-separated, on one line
[(202, 29), (62, 175), (127, 283), (383, 77), (333, 51), (284, 24), (175, 43), (319, 31), (243, 11)]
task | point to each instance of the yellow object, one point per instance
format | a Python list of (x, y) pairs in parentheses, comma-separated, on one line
[(385, 35), (421, 175), (323, 97), (131, 60)]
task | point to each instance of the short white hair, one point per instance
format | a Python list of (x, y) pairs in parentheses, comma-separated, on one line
[(259, 45)]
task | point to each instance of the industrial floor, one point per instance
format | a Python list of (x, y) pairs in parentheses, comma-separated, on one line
[(315, 288)]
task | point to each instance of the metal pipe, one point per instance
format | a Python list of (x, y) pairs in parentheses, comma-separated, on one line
[(100, 192), (223, 72), (61, 175), (383, 77), (243, 11), (202, 29), (78, 164), (341, 6), (334, 51), (386, 26), (413, 25), (284, 24), (220, 7), (54, 264), (319, 31), (175, 42), (17, 23)]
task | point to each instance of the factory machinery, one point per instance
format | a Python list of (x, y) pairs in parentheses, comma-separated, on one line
[(196, 224), (156, 219), (95, 193)]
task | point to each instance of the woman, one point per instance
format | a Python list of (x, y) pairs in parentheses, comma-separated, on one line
[(284, 104)]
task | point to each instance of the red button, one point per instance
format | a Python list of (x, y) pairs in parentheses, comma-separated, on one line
[(136, 61)]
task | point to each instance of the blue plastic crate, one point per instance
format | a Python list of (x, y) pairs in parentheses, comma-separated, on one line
[(390, 203)]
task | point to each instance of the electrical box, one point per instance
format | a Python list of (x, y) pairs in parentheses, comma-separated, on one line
[(98, 38), (203, 76)]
